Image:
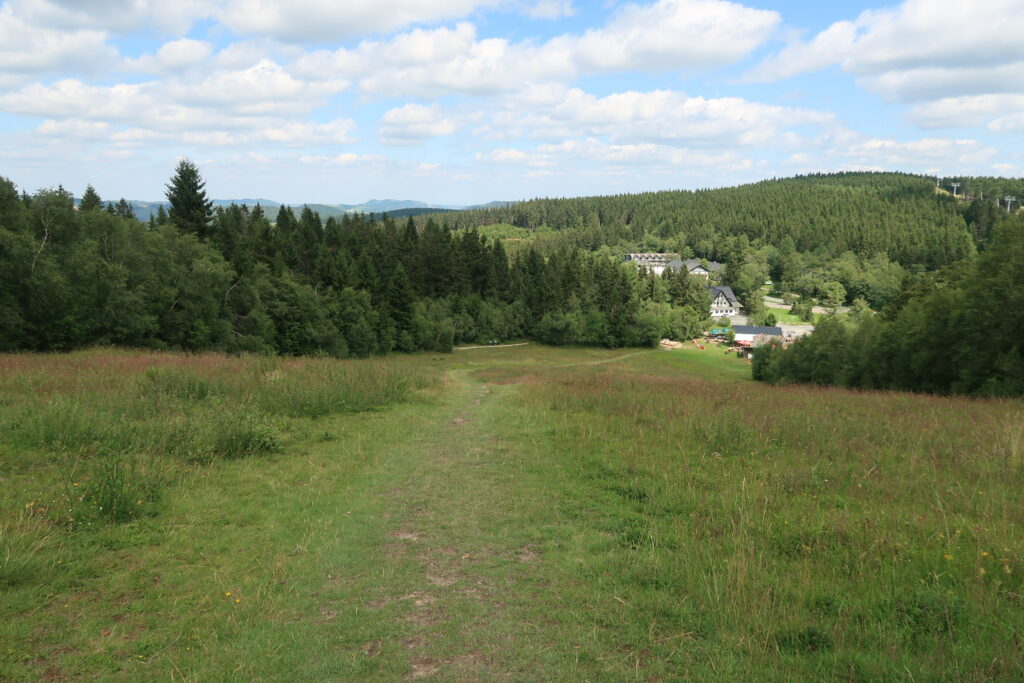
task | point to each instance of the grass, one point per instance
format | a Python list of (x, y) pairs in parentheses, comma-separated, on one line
[(527, 513), (782, 315)]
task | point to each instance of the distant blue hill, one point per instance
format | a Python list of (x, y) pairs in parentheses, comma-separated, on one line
[(398, 207)]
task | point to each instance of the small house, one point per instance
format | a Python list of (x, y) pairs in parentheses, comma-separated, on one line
[(696, 267), (724, 302), (753, 336)]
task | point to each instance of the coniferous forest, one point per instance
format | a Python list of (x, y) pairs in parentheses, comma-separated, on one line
[(956, 330), (229, 279)]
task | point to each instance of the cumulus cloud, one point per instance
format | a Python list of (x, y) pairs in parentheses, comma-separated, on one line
[(339, 160), (550, 9), (265, 88), (221, 110), (173, 56), (661, 116), (668, 35), (672, 34), (917, 154), (113, 15), (964, 112), (28, 50), (413, 123), (594, 151), (919, 50), (327, 20)]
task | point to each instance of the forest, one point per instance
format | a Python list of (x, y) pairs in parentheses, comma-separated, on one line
[(956, 330), (200, 278)]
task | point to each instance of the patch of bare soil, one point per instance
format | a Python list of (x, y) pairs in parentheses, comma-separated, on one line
[(527, 555), (423, 667)]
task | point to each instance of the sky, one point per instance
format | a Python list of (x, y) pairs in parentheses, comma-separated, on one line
[(466, 101)]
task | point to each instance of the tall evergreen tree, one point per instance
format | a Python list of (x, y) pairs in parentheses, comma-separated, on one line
[(190, 210), (90, 200)]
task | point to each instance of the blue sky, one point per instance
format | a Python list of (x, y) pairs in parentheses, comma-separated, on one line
[(465, 101)]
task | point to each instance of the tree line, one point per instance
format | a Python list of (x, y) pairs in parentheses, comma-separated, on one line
[(229, 279), (956, 330)]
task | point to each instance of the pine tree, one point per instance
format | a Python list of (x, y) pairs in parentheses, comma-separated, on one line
[(90, 200), (190, 209)]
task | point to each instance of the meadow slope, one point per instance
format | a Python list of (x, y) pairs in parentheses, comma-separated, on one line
[(518, 513)]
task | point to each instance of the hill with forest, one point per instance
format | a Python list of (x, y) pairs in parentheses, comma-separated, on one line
[(899, 215), (397, 208), (203, 276)]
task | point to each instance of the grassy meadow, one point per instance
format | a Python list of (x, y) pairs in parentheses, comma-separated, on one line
[(524, 513)]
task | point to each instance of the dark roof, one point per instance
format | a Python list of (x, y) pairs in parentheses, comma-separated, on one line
[(691, 263), (751, 329), (712, 266), (727, 291)]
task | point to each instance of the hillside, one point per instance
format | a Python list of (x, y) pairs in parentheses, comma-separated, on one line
[(394, 207), (524, 513), (897, 215)]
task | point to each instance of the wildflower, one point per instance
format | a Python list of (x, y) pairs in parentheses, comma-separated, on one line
[(948, 557), (984, 553), (237, 601), (228, 594)]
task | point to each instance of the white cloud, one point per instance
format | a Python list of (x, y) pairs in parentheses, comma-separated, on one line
[(73, 128), (330, 20), (263, 89), (672, 34), (917, 154), (551, 9), (218, 111), (920, 50), (347, 159), (660, 116), (27, 50), (173, 56), (114, 15), (591, 151), (412, 123), (427, 63), (964, 112)]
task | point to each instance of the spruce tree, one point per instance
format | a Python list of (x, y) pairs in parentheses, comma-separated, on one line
[(190, 209), (90, 200)]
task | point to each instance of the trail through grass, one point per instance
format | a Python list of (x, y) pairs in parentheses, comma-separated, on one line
[(543, 514)]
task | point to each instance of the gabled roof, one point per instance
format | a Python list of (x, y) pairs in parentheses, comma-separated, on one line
[(755, 330), (725, 291), (692, 263)]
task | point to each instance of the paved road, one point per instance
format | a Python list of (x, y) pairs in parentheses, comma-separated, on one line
[(775, 302)]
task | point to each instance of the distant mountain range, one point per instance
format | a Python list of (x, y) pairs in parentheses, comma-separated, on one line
[(393, 207)]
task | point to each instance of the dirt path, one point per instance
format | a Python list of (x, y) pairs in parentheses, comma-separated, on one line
[(457, 545), (489, 346), (605, 360)]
